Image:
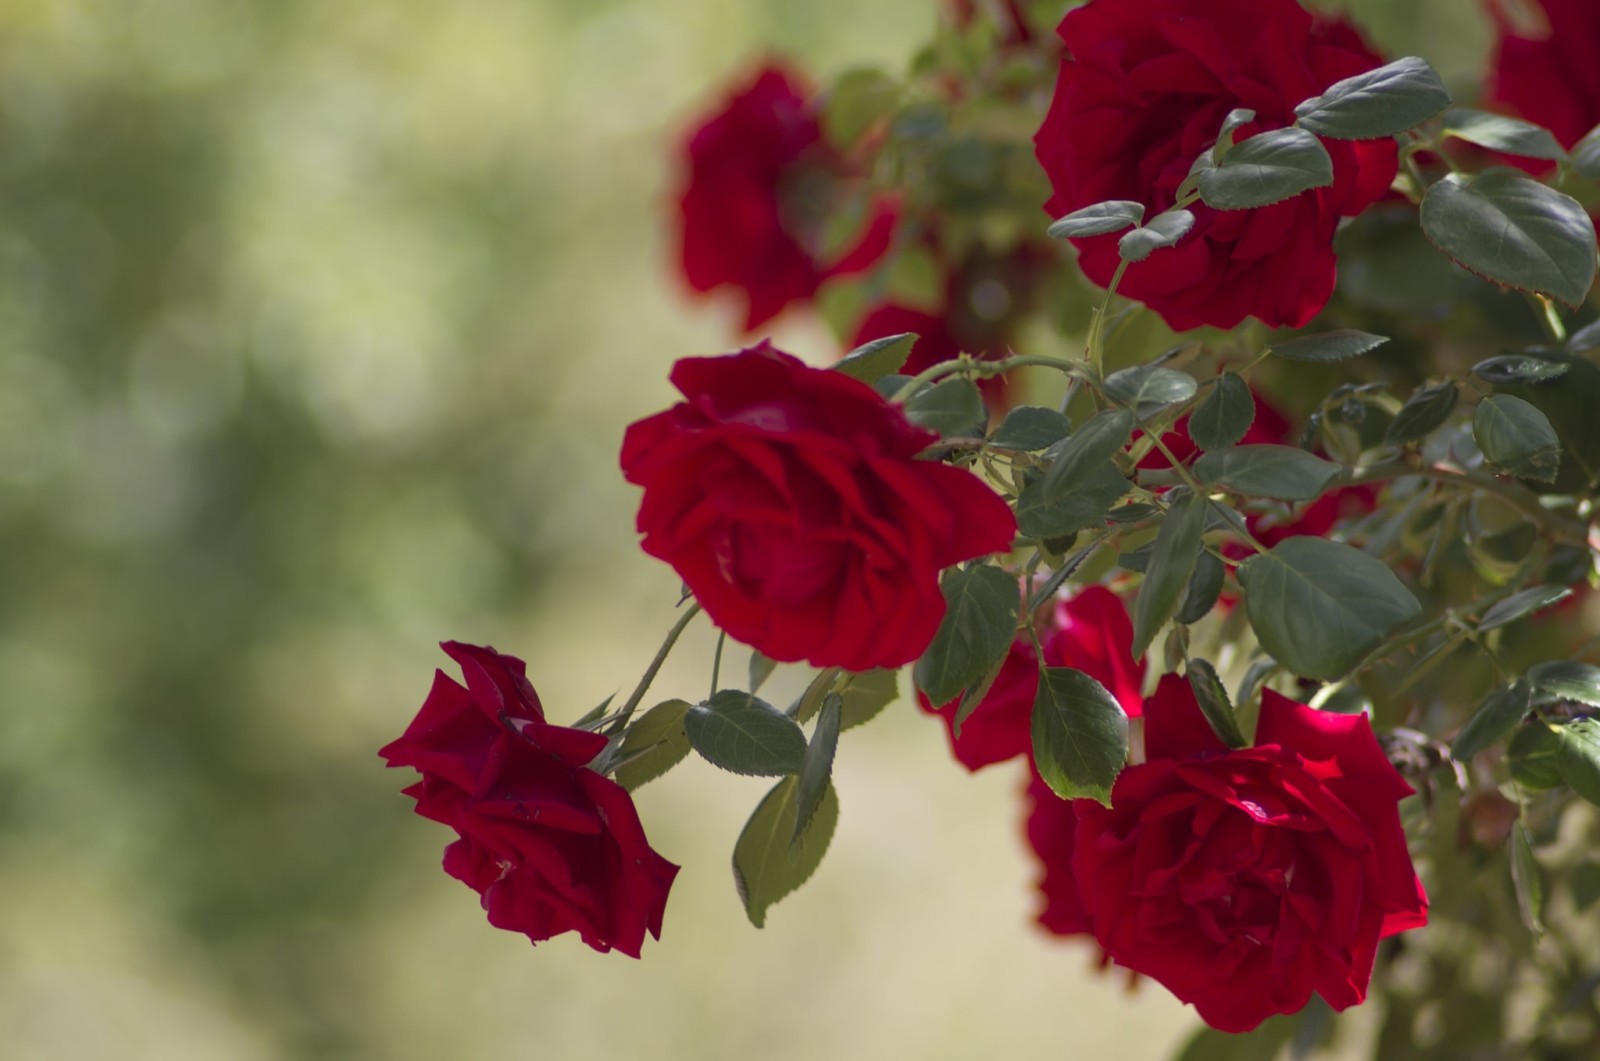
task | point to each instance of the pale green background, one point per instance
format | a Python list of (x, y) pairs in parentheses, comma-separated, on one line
[(319, 326)]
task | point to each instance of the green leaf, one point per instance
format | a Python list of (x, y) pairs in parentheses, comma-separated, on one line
[(1164, 230), (810, 702), (1526, 879), (1378, 103), (761, 669), (1424, 412), (1205, 586), (859, 98), (1213, 700), (1533, 758), (1512, 230), (1283, 472), (972, 698), (1318, 607), (952, 407), (1031, 427), (1149, 388), (1495, 719), (980, 621), (1096, 442), (1265, 169), (1328, 346), (1567, 679), (816, 770), (1516, 438), (744, 735), (766, 865), (654, 744), (1225, 415), (1086, 506), (1586, 155), (1518, 605), (1255, 676), (1236, 119), (872, 361), (594, 714), (1519, 368), (1586, 885), (1080, 735), (868, 694), (1499, 133), (1578, 757), (1171, 563), (1098, 219)]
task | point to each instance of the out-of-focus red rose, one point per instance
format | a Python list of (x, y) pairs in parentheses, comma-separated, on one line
[(758, 190), (791, 502), (1144, 91), (1245, 879), (1549, 75), (1091, 632), (550, 845), (1012, 23)]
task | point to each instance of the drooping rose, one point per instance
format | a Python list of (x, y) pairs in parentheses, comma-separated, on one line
[(550, 845), (1548, 74), (1091, 632), (1245, 879), (758, 191), (1144, 90), (790, 501)]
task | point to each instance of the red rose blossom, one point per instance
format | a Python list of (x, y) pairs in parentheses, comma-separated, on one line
[(550, 845), (790, 502), (1244, 879), (1091, 632), (1549, 74), (757, 195), (1144, 91)]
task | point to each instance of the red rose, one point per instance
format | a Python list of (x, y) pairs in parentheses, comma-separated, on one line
[(1145, 91), (550, 845), (1549, 75), (759, 191), (1091, 632), (790, 501), (1245, 879)]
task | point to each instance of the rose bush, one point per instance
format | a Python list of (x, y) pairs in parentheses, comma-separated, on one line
[(1242, 879), (1144, 91), (550, 845), (791, 502)]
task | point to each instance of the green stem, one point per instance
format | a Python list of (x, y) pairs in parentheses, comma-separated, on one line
[(981, 369), (1095, 346), (1194, 487), (1518, 497), (716, 661), (651, 671)]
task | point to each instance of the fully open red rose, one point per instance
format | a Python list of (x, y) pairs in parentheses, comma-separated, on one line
[(1144, 91), (550, 845), (790, 501), (1245, 879), (758, 194), (1091, 632), (1548, 74)]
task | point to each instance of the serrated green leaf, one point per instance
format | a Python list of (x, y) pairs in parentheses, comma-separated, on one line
[(1578, 757), (972, 698), (1226, 414), (1091, 448), (952, 407), (1164, 230), (1495, 719), (1147, 389), (594, 714), (1586, 155), (1205, 586), (1533, 758), (871, 362), (1097, 219), (1328, 346), (654, 744), (1255, 676), (1318, 606), (1527, 881), (1087, 505), (868, 694), (1423, 413), (1177, 547), (1286, 473), (1519, 368), (816, 770), (1567, 680), (1265, 169), (1522, 604), (1378, 103), (744, 735), (1031, 427), (805, 708), (1517, 438), (1236, 119), (1500, 133), (766, 865), (979, 623), (1513, 230), (1213, 700), (1080, 735)]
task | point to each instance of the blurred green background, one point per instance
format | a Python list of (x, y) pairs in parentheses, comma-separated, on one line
[(319, 326)]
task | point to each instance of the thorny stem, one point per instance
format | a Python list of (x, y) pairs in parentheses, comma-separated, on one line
[(651, 671)]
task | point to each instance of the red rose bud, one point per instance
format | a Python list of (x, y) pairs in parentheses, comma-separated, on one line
[(1145, 91), (790, 502), (550, 845), (1548, 74), (1243, 879), (757, 195)]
